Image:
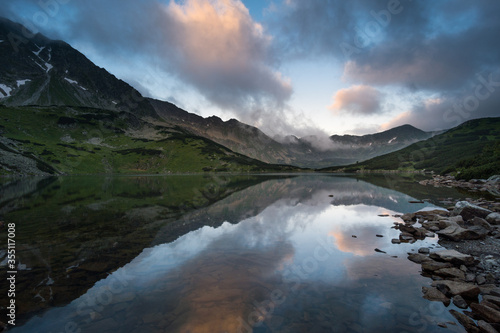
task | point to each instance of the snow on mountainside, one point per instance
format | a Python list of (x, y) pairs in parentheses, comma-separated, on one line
[(41, 71)]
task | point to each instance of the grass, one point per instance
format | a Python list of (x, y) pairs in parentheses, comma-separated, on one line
[(91, 141), (470, 150)]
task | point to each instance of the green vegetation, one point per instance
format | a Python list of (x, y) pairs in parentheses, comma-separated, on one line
[(471, 150), (78, 140)]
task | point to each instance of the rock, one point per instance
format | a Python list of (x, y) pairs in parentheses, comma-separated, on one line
[(418, 258), (451, 273), (453, 288), (395, 241), (457, 233), (492, 299), (480, 231), (460, 302), (354, 236), (485, 312), (490, 305), (443, 325), (424, 250), (477, 221), (434, 229), (486, 327), (380, 236), (420, 233), (431, 265), (458, 220), (489, 289), (468, 211), (379, 251), (480, 279), (470, 277), (466, 322), (493, 218), (454, 257), (434, 295)]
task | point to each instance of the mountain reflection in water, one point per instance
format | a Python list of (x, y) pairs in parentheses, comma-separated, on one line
[(280, 255)]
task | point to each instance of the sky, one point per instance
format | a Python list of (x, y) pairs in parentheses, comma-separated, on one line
[(301, 67)]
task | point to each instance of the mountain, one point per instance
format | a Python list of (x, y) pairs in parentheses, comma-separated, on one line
[(45, 72), (63, 114), (470, 150), (310, 151), (237, 136)]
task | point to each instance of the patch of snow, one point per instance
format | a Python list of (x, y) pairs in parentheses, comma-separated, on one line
[(391, 140), (75, 82), (40, 49), (22, 82), (114, 102), (1, 41), (71, 81), (45, 69), (66, 71), (49, 67), (49, 281), (5, 91)]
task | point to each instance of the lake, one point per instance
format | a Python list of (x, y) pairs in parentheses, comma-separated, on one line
[(217, 253)]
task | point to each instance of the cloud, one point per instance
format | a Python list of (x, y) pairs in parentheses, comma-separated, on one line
[(480, 99), (223, 52), (212, 45), (359, 100)]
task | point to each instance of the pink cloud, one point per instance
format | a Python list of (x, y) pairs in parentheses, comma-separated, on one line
[(360, 99)]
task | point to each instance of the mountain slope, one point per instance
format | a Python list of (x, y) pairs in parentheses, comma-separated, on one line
[(310, 152), (71, 140), (472, 148), (237, 136), (40, 71)]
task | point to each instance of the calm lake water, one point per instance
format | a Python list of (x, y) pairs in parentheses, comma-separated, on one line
[(217, 254)]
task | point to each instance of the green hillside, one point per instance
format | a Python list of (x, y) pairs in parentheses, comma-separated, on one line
[(471, 150), (78, 140)]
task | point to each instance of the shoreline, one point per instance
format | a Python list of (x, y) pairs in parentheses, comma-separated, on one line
[(467, 272)]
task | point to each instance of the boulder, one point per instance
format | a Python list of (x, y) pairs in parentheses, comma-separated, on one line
[(486, 327), (451, 273), (454, 257), (468, 211), (477, 221), (434, 295), (485, 312), (493, 218), (492, 299), (466, 322), (456, 233), (453, 288), (432, 265)]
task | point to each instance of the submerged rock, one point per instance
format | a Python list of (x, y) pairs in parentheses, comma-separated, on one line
[(466, 322)]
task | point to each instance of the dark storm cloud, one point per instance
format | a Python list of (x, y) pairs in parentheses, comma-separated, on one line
[(432, 47)]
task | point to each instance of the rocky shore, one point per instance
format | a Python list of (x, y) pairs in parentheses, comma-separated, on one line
[(491, 184), (467, 273)]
